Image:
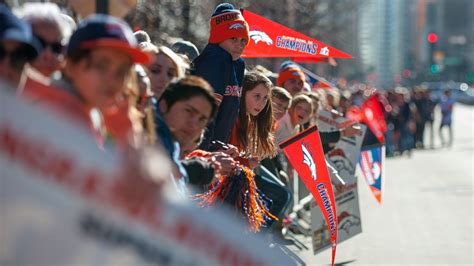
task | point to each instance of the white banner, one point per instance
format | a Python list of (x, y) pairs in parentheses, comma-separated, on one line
[(58, 206), (343, 158)]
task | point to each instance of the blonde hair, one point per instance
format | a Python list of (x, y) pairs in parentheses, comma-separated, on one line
[(323, 103), (301, 98), (336, 96), (179, 63)]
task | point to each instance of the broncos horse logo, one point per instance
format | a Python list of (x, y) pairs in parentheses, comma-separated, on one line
[(308, 160), (347, 220), (236, 26), (260, 36)]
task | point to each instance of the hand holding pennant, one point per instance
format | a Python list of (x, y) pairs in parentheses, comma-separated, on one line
[(305, 153)]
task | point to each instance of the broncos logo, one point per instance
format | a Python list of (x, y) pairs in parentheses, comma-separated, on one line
[(347, 220), (236, 26), (260, 36), (308, 160)]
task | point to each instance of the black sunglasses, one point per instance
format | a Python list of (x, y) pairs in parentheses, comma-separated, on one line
[(56, 47), (17, 57)]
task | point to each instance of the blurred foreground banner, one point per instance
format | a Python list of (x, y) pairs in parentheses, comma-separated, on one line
[(343, 158), (58, 206)]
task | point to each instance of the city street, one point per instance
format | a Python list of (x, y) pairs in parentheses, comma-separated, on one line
[(426, 216)]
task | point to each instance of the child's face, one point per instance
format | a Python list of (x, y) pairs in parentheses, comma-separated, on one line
[(293, 86), (256, 99), (187, 118), (161, 72), (279, 107), (101, 76), (234, 46), (301, 113)]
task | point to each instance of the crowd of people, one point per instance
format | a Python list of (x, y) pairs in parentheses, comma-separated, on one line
[(215, 117)]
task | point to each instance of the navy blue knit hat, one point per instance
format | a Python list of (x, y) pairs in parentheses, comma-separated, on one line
[(287, 64), (14, 29), (223, 8)]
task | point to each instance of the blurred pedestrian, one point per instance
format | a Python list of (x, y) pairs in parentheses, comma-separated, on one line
[(446, 105), (430, 107)]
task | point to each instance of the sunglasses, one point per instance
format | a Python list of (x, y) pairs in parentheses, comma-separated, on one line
[(56, 47), (17, 57)]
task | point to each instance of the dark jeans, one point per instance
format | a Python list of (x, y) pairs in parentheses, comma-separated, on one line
[(450, 132), (406, 141), (419, 135)]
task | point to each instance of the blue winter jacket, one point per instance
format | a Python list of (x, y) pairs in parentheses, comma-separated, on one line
[(216, 66)]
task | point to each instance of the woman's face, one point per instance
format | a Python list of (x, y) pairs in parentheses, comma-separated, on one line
[(256, 99), (50, 58), (161, 72)]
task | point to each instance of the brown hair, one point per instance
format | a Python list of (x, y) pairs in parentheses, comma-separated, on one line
[(187, 88), (281, 94), (255, 133), (178, 62)]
